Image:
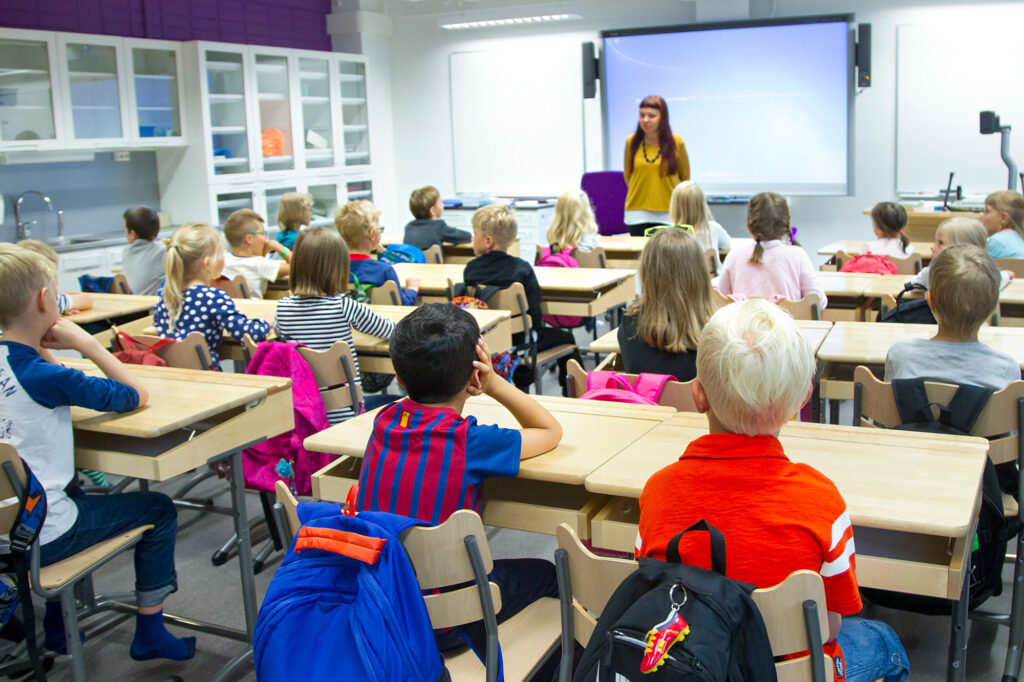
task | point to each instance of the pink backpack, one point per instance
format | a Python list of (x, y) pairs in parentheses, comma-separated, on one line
[(559, 259), (871, 263), (616, 388)]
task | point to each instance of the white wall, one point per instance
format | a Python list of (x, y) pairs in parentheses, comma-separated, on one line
[(422, 120)]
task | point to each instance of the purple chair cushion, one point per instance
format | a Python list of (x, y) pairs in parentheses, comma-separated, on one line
[(607, 192)]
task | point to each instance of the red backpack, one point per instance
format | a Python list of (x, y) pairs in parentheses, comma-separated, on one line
[(553, 258), (871, 263), (616, 388)]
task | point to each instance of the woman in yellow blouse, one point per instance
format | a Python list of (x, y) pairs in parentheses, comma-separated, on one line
[(655, 163)]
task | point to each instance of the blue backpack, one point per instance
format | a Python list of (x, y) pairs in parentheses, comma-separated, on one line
[(345, 604), (402, 253)]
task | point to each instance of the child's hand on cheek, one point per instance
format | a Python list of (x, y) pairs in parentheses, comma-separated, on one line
[(66, 335), (483, 365)]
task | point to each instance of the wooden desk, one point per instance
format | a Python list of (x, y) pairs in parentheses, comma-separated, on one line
[(193, 418), (549, 488), (854, 246), (1011, 299), (453, 253), (112, 306), (921, 225), (814, 331), (622, 251), (845, 291)]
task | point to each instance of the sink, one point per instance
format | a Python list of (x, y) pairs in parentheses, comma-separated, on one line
[(64, 241)]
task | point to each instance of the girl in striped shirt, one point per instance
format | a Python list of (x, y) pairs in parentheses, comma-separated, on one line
[(318, 312)]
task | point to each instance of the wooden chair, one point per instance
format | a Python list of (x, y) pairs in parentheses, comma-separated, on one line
[(1014, 265), (286, 514), (434, 254), (386, 294), (911, 265), (1002, 424), (455, 553), (132, 328), (119, 285), (677, 394), (807, 308), (711, 258), (190, 352), (796, 619), (591, 259), (235, 288), (62, 579)]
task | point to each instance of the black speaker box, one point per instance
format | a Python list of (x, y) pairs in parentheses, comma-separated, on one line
[(989, 122), (863, 57), (589, 71)]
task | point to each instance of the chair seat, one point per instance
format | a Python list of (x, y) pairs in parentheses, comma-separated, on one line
[(555, 353), (525, 638), (67, 570), (1009, 505)]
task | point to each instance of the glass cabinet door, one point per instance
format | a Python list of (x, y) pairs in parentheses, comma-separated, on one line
[(93, 89), (275, 112), (273, 200), (325, 204), (354, 119), (315, 95), (225, 82), (230, 201), (155, 78), (360, 189), (26, 97)]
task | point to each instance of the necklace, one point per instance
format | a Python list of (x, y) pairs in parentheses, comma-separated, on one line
[(656, 156)]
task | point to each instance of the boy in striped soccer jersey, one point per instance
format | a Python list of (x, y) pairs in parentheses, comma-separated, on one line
[(754, 371), (427, 461)]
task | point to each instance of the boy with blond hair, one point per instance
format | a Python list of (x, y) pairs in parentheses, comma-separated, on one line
[(754, 371), (35, 416), (358, 223), (428, 229), (67, 303), (246, 234)]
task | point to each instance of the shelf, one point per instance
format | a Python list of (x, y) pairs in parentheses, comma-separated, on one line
[(361, 194), (352, 101), (228, 130), (23, 72), (357, 155), (315, 99), (93, 74), (319, 154), (272, 97), (312, 76), (155, 76), (218, 97), (355, 128), (26, 107), (234, 203), (276, 160), (95, 107), (223, 66), (220, 161), (272, 68), (351, 78), (155, 108)]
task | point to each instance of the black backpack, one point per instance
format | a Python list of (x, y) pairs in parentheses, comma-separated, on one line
[(726, 640), (994, 528), (915, 311)]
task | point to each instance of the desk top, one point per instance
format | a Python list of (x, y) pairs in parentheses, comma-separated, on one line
[(814, 331), (107, 306), (870, 467), (845, 283), (621, 243), (854, 246), (177, 398), (869, 342), (593, 432), (434, 277)]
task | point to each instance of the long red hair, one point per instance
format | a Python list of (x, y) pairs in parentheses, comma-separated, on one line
[(667, 143)]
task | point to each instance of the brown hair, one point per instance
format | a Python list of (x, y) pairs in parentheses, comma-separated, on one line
[(1009, 202), (355, 221), (767, 219), (143, 221), (422, 200), (23, 273), (675, 302), (237, 226), (666, 141), (190, 245), (497, 222), (890, 218), (964, 286), (319, 263), (292, 209)]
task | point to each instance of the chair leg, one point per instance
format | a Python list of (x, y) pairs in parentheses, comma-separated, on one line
[(568, 626), (70, 612)]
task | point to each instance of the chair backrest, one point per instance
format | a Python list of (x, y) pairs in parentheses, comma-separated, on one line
[(119, 285), (289, 510), (594, 258), (386, 294), (782, 608), (190, 352), (677, 394), (1014, 265), (9, 512), (333, 369), (875, 405), (607, 192), (908, 265), (434, 254), (593, 580), (235, 288), (440, 558), (807, 308), (513, 299), (711, 258)]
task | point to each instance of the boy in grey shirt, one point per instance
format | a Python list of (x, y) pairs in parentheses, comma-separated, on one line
[(964, 293), (428, 228), (144, 256)]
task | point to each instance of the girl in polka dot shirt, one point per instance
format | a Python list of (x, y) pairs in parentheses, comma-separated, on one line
[(188, 303)]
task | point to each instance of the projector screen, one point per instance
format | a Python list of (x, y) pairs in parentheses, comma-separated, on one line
[(761, 106)]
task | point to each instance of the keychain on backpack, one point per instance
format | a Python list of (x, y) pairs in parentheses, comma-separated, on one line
[(662, 636)]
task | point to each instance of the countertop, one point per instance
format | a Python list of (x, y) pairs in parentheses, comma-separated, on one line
[(95, 240)]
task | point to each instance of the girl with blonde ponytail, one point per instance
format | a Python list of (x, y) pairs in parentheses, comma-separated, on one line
[(188, 303)]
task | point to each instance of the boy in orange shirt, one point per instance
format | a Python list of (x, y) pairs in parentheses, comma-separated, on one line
[(754, 371)]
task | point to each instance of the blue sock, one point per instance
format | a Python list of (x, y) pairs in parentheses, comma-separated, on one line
[(53, 626), (152, 640)]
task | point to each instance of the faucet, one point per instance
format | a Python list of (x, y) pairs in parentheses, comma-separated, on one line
[(24, 229)]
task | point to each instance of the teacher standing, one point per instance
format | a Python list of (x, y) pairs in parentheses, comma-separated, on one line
[(655, 163)]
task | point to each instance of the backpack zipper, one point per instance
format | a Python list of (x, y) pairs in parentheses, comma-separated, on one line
[(679, 659)]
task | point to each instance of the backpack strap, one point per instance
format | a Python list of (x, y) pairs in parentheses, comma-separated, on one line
[(651, 385), (717, 546), (911, 401), (965, 407), (459, 290), (485, 291), (352, 545), (125, 341)]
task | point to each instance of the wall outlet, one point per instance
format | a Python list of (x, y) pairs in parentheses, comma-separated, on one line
[(122, 156)]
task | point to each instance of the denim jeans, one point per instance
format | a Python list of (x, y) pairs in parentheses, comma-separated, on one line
[(872, 650), (101, 517)]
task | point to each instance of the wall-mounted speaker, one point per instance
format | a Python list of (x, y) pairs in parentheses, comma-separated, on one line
[(589, 71), (863, 55)]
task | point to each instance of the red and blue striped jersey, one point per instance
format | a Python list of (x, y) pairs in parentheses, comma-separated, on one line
[(429, 462)]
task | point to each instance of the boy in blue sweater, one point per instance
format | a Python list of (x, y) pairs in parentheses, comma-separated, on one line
[(358, 222)]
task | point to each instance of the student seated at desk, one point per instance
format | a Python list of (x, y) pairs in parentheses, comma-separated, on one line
[(358, 223), (888, 220), (143, 259), (426, 460), (951, 232), (67, 303), (1003, 218), (318, 312), (188, 303), (573, 225), (428, 228), (35, 412), (689, 206), (247, 236), (659, 332), (754, 371)]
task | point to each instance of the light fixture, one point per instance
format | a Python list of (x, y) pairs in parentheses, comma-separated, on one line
[(452, 24)]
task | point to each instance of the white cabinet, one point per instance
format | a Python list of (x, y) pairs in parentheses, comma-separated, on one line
[(75, 263), (29, 103), (155, 93), (93, 77)]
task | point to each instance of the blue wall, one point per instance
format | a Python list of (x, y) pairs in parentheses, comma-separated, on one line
[(93, 194)]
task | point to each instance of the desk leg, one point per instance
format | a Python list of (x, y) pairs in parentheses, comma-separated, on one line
[(958, 634), (241, 518), (1011, 669)]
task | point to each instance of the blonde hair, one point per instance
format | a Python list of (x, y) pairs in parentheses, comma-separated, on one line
[(190, 245), (755, 366), (292, 209), (676, 300), (355, 221), (237, 226), (574, 218), (688, 206), (42, 248), (964, 285), (23, 272), (768, 219), (422, 200), (963, 231), (497, 222), (891, 218), (1009, 202), (319, 263)]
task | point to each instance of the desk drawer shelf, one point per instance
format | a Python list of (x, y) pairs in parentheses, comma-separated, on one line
[(615, 525), (539, 506), (331, 483)]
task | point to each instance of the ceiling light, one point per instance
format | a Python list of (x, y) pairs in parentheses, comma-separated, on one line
[(455, 25)]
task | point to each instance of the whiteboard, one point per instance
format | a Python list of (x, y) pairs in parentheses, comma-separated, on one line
[(517, 119), (946, 75)]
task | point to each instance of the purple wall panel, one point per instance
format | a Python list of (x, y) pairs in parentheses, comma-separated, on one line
[(283, 23)]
